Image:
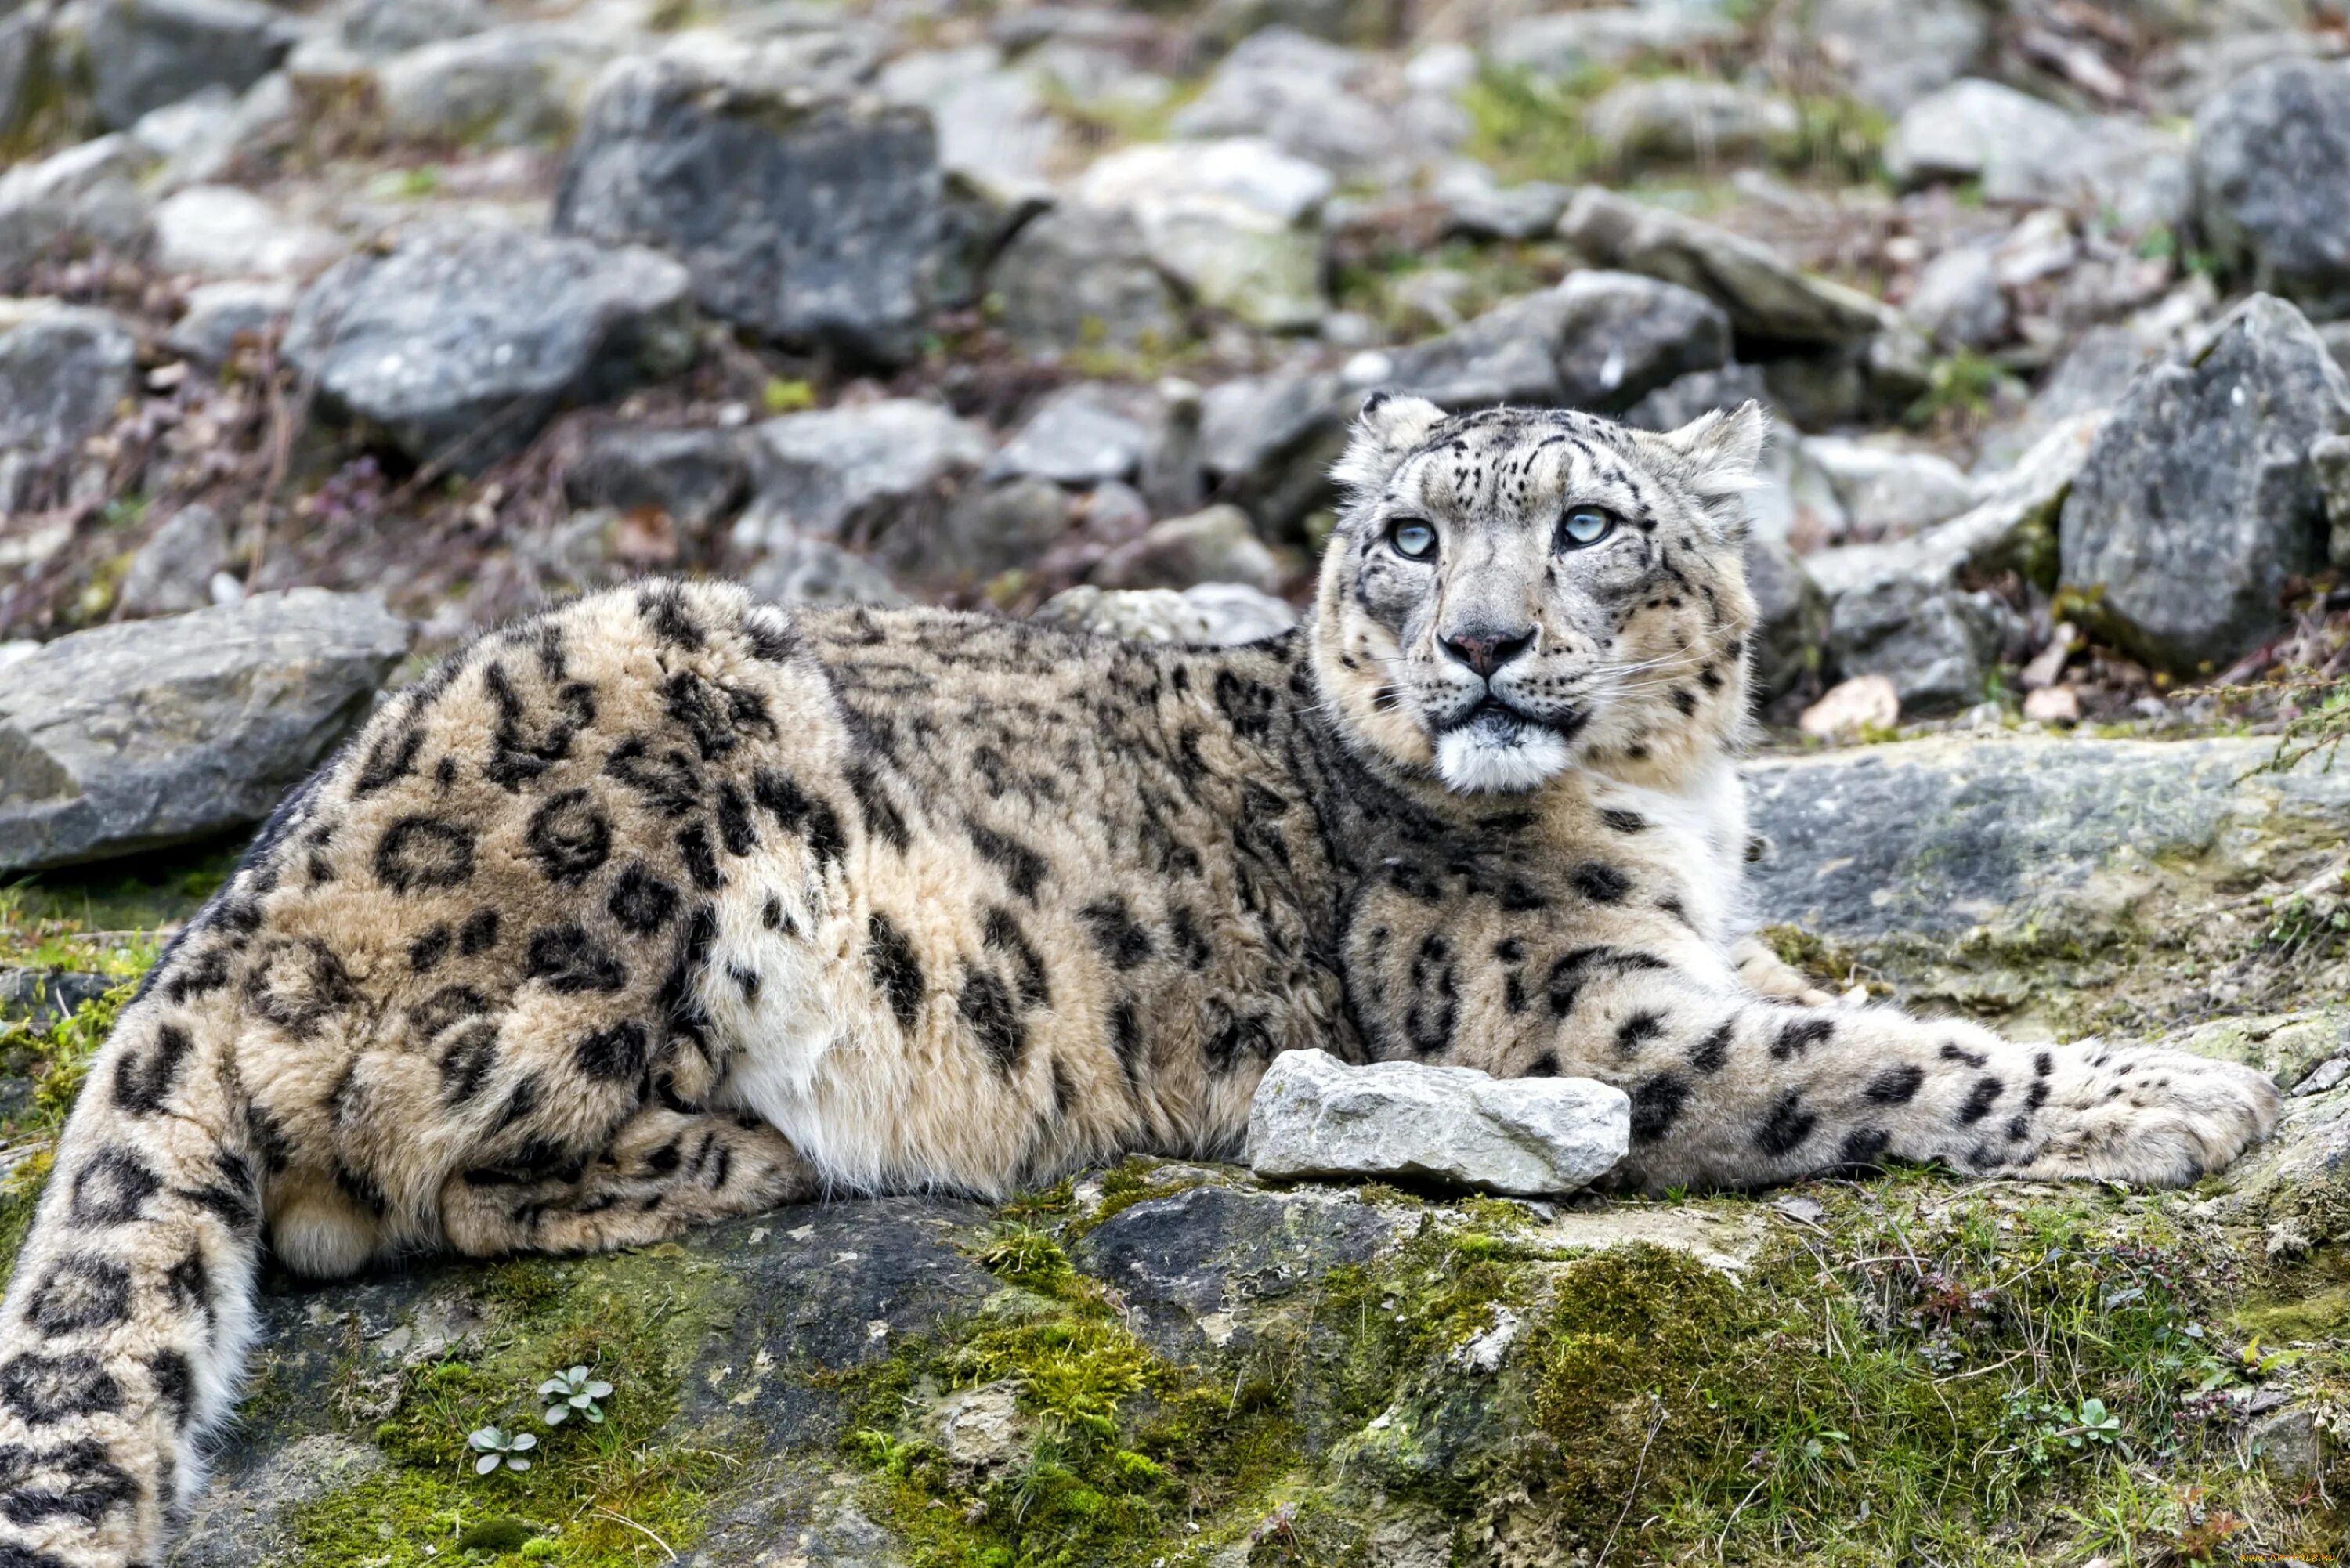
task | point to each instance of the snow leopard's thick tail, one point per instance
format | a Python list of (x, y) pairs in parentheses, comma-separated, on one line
[(127, 1324)]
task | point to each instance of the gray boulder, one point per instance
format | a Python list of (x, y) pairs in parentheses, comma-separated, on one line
[(1478, 206), (855, 476), (1688, 119), (1790, 614), (993, 127), (1267, 444), (1315, 1115), (800, 571), (2199, 500), (460, 343), (695, 477), (1600, 340), (1932, 838), (152, 733), (1886, 491), (145, 54), (1936, 644), (803, 213), (1568, 44), (172, 571), (512, 86), (24, 64), (62, 373), (1080, 276), (220, 316), (1889, 53), (93, 192), (1077, 437), (1327, 104), (2025, 149), (1767, 296), (1207, 615), (988, 529), (1958, 301), (2273, 179), (1233, 222), (395, 26), (1685, 398), (2329, 455), (1216, 546)]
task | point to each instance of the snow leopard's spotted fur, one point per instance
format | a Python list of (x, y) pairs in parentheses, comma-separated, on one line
[(668, 905)]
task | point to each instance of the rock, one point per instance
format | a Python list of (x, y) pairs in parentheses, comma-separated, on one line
[(1766, 296), (1077, 437), (2290, 1445), (1315, 1115), (145, 54), (1684, 398), (1568, 44), (2329, 457), (1958, 301), (981, 1430), (856, 476), (1935, 645), (695, 477), (1891, 52), (221, 316), (512, 86), (1217, 545), (2026, 151), (1230, 221), (153, 732), (226, 1524), (463, 341), (1930, 839), (1790, 614), (41, 996), (1852, 707), (1190, 1264), (24, 67), (1480, 209), (799, 571), (1080, 276), (1267, 444), (172, 571), (1688, 119), (2273, 179), (378, 27), (993, 125), (990, 529), (89, 193), (1211, 615), (62, 374), (810, 216), (219, 231), (2199, 500), (1885, 492), (1600, 340), (1324, 104)]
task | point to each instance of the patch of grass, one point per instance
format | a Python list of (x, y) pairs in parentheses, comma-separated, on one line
[(1527, 126)]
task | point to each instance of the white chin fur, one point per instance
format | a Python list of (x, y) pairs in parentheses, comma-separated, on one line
[(1475, 760)]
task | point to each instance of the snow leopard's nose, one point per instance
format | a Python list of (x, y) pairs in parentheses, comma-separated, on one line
[(1485, 650)]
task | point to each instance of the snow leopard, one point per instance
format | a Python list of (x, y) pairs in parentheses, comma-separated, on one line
[(667, 904)]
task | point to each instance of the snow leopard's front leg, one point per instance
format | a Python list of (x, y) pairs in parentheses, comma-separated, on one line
[(1729, 1088)]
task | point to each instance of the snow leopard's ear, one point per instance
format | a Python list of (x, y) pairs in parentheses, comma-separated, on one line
[(1721, 450), (1388, 427), (1715, 457)]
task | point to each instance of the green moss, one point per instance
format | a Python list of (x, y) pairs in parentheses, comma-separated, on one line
[(598, 1496), (1127, 1446)]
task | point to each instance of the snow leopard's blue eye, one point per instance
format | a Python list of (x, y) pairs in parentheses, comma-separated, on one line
[(1584, 526), (1413, 539)]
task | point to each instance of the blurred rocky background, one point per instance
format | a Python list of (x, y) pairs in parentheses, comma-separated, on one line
[(332, 333)]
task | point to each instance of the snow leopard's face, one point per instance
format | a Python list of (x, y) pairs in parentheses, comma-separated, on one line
[(1512, 591)]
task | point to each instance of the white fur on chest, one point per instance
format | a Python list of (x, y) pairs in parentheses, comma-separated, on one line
[(1702, 827)]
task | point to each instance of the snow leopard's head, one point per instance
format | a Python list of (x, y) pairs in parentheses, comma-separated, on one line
[(1513, 591)]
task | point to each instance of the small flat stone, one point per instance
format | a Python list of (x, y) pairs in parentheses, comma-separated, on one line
[(1316, 1115)]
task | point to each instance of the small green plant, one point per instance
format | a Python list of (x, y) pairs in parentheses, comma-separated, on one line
[(574, 1389), (783, 395), (494, 1445)]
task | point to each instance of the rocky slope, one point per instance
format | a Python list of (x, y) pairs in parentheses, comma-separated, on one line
[(332, 332)]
